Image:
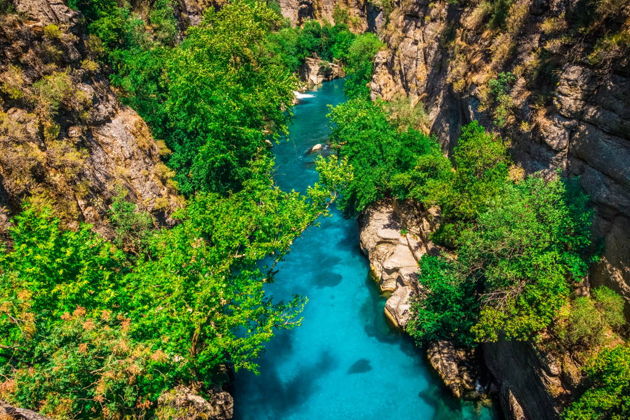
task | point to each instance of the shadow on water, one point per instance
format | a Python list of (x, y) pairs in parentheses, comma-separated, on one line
[(327, 279), (345, 361), (447, 407), (279, 397)]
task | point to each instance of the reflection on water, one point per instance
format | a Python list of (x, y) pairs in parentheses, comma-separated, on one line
[(345, 361)]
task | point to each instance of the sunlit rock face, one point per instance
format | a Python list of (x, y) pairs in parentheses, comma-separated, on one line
[(65, 139), (567, 109), (358, 14), (394, 236)]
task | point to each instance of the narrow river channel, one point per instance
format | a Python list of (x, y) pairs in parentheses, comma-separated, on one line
[(345, 362)]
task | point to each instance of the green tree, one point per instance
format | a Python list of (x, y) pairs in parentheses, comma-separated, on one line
[(525, 251), (89, 332), (447, 308), (385, 161), (481, 170), (360, 65)]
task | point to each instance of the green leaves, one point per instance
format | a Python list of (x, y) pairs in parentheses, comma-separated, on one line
[(446, 308), (360, 65), (384, 161), (607, 397), (87, 330)]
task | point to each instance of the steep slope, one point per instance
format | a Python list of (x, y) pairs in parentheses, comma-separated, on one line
[(553, 78), (360, 15), (64, 137), (564, 104)]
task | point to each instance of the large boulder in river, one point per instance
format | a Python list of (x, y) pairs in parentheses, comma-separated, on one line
[(394, 236)]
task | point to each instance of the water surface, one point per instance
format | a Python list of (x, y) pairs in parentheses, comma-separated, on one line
[(345, 361)]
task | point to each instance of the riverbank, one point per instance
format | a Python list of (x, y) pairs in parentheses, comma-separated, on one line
[(345, 360)]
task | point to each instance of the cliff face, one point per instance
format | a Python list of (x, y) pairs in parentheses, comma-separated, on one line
[(563, 105), (360, 15), (64, 137), (566, 105)]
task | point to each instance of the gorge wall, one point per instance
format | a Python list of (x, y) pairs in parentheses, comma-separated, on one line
[(564, 106), (65, 139)]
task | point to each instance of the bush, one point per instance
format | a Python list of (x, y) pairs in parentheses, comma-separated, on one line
[(500, 90), (589, 320), (448, 308), (481, 164), (360, 65), (606, 397)]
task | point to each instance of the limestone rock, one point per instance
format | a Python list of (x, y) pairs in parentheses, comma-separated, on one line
[(455, 367), (394, 248), (316, 71), (183, 403)]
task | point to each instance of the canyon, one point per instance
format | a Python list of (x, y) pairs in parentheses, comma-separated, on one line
[(565, 108)]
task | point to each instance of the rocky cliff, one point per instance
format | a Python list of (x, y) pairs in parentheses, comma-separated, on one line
[(553, 77), (65, 139), (566, 99), (359, 15)]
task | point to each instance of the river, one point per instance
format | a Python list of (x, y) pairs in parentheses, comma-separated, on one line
[(345, 361)]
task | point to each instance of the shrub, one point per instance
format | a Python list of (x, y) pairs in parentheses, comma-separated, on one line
[(606, 397), (448, 308), (52, 31), (360, 65), (500, 91)]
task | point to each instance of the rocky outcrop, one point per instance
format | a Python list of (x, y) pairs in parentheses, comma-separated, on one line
[(8, 412), (394, 236), (456, 367), (316, 71), (567, 109), (358, 14), (183, 403), (65, 139)]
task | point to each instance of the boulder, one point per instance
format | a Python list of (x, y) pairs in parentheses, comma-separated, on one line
[(394, 247), (455, 366), (183, 403)]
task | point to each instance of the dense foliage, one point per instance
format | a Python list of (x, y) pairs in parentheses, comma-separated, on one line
[(521, 244), (88, 330), (215, 97), (93, 328), (383, 160), (607, 396), (519, 261)]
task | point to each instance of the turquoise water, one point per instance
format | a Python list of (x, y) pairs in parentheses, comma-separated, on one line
[(344, 362)]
